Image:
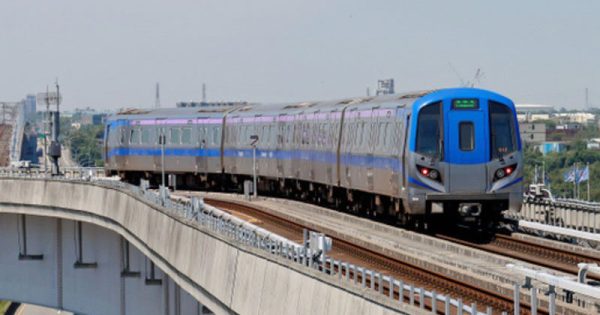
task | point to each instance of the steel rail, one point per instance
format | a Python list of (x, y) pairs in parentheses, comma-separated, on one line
[(382, 263)]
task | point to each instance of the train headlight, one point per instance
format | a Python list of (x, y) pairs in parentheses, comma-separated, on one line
[(500, 173), (433, 174), (504, 171), (430, 173)]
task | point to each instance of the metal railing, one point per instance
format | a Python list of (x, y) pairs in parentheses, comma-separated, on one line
[(577, 215)]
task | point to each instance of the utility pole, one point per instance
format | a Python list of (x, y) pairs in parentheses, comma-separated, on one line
[(203, 92), (55, 149)]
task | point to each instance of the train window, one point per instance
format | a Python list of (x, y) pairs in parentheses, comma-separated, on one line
[(502, 126), (357, 134), (366, 133), (294, 134), (314, 134), (360, 127), (383, 135), (216, 135), (175, 136), (186, 135), (466, 136), (374, 134), (260, 132), (318, 136), (304, 134), (134, 136), (429, 130), (145, 135), (122, 138)]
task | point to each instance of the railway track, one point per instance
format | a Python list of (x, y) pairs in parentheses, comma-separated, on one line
[(383, 264), (535, 253)]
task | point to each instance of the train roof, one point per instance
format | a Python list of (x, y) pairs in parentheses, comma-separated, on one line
[(270, 108)]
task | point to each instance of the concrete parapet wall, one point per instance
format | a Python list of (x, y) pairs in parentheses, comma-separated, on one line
[(224, 276)]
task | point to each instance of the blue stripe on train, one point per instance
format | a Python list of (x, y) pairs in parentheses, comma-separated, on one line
[(517, 180), (415, 181), (316, 156)]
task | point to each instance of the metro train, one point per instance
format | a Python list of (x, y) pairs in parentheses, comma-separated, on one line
[(451, 156)]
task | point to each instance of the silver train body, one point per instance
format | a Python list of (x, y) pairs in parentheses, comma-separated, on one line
[(452, 151)]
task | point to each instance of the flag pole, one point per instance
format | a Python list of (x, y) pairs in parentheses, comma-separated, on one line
[(576, 180), (574, 170), (544, 173), (588, 180)]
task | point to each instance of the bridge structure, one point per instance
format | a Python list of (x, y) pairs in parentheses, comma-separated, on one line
[(105, 247)]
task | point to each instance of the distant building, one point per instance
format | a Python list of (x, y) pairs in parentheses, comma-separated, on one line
[(552, 147), (593, 144), (86, 116), (209, 104), (533, 132), (580, 118), (569, 127), (30, 107), (92, 119), (529, 117), (385, 87), (534, 108)]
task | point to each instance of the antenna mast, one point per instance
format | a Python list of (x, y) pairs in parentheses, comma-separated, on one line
[(157, 100), (587, 98)]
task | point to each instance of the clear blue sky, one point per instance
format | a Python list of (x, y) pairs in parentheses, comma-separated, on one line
[(110, 53)]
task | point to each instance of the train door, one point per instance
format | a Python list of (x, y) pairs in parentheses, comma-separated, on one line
[(106, 137), (279, 125), (161, 132), (466, 150), (202, 156)]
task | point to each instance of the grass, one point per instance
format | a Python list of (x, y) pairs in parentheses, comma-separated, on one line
[(3, 306)]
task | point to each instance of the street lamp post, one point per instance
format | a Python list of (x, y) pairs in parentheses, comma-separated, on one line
[(254, 139)]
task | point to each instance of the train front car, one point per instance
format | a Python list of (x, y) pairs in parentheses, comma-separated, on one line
[(464, 166)]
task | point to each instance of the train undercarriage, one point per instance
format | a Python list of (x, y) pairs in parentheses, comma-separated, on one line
[(480, 216)]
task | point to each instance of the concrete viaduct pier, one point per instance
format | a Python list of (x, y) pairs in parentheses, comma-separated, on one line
[(101, 248)]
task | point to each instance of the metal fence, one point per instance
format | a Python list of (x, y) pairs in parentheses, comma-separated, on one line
[(573, 214)]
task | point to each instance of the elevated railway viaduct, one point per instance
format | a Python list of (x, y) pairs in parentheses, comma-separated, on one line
[(92, 249)]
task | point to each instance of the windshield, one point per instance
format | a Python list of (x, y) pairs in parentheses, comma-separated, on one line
[(429, 130), (502, 130)]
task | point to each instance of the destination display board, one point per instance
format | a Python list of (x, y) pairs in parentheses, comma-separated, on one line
[(465, 103)]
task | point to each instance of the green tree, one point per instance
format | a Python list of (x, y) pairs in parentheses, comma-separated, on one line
[(86, 145)]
